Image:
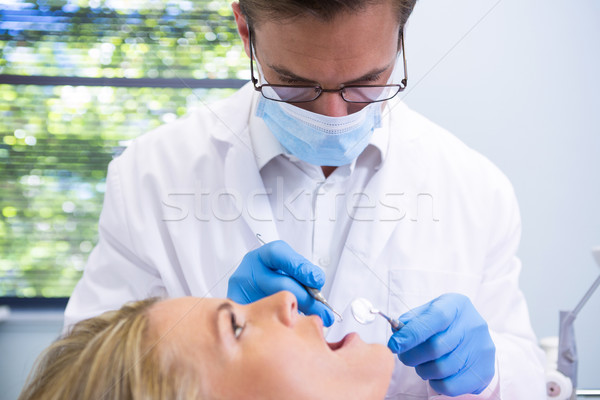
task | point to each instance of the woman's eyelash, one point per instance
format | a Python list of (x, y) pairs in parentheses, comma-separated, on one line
[(237, 329)]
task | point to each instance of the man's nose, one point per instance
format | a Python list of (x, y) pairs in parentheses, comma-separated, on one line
[(330, 104)]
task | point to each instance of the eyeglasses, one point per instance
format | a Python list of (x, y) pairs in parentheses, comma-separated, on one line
[(350, 93)]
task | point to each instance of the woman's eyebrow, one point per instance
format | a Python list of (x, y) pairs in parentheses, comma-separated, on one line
[(223, 306)]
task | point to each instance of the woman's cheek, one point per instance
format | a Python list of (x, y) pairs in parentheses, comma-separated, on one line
[(294, 363)]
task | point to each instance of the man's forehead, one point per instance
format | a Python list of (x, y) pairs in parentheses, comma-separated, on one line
[(285, 12), (349, 49), (357, 33)]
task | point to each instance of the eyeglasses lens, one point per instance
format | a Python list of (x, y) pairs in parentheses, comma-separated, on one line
[(368, 94), (290, 93)]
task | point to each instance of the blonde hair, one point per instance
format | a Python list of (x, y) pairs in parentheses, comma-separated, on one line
[(112, 356)]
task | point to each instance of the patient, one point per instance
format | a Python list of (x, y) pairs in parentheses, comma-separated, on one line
[(203, 348)]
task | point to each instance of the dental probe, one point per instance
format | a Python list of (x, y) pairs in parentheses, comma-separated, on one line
[(396, 325), (314, 292)]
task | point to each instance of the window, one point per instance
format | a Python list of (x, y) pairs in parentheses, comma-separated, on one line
[(78, 80)]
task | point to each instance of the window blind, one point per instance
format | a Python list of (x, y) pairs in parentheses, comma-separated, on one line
[(78, 81)]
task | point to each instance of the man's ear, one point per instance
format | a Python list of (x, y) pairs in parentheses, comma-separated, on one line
[(242, 26)]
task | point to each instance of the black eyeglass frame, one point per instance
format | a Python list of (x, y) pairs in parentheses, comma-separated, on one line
[(319, 90)]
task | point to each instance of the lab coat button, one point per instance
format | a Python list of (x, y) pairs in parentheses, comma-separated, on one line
[(324, 261)]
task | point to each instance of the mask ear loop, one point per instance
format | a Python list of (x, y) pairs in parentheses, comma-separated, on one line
[(395, 77), (261, 75), (396, 71), (403, 81), (260, 80)]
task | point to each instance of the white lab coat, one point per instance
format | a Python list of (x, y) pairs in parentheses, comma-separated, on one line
[(183, 204)]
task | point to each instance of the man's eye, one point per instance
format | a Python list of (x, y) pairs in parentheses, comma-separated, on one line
[(291, 81), (373, 78), (237, 329)]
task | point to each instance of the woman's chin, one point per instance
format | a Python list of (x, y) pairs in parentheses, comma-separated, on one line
[(371, 365), (384, 361)]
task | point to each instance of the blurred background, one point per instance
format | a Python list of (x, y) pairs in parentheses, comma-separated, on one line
[(516, 80)]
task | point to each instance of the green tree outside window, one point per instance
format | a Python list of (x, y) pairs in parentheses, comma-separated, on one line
[(56, 141)]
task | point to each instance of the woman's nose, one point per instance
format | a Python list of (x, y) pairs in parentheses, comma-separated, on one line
[(285, 306)]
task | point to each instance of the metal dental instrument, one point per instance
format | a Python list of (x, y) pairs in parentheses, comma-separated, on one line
[(314, 292), (364, 313)]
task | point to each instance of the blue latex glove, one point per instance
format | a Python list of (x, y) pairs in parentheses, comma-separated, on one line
[(449, 344), (272, 268)]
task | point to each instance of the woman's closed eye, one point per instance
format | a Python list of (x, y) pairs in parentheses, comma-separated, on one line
[(237, 328)]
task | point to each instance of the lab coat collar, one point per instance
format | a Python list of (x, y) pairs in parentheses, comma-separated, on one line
[(244, 184), (381, 136), (266, 146), (232, 131)]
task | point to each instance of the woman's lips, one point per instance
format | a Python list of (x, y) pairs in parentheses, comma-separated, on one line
[(348, 340)]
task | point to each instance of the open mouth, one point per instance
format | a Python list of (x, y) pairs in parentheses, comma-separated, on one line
[(345, 342)]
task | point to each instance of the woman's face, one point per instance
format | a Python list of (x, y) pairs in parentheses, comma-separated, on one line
[(268, 350)]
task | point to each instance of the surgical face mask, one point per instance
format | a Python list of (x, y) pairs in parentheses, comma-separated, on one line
[(319, 139)]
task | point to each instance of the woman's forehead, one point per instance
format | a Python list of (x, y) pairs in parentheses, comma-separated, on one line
[(183, 312), (187, 327)]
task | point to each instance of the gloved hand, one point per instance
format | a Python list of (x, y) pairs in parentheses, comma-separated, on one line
[(272, 268), (448, 343)]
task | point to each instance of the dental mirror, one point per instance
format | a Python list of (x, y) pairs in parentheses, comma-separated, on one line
[(364, 313), (361, 310)]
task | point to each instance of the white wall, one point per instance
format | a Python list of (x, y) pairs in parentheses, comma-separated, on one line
[(22, 338), (519, 80)]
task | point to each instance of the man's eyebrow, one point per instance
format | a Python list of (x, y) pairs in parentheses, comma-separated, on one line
[(286, 73), (369, 76)]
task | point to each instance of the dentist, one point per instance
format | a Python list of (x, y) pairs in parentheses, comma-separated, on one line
[(318, 155)]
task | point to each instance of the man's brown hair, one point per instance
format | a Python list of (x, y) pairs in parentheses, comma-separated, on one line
[(257, 11)]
